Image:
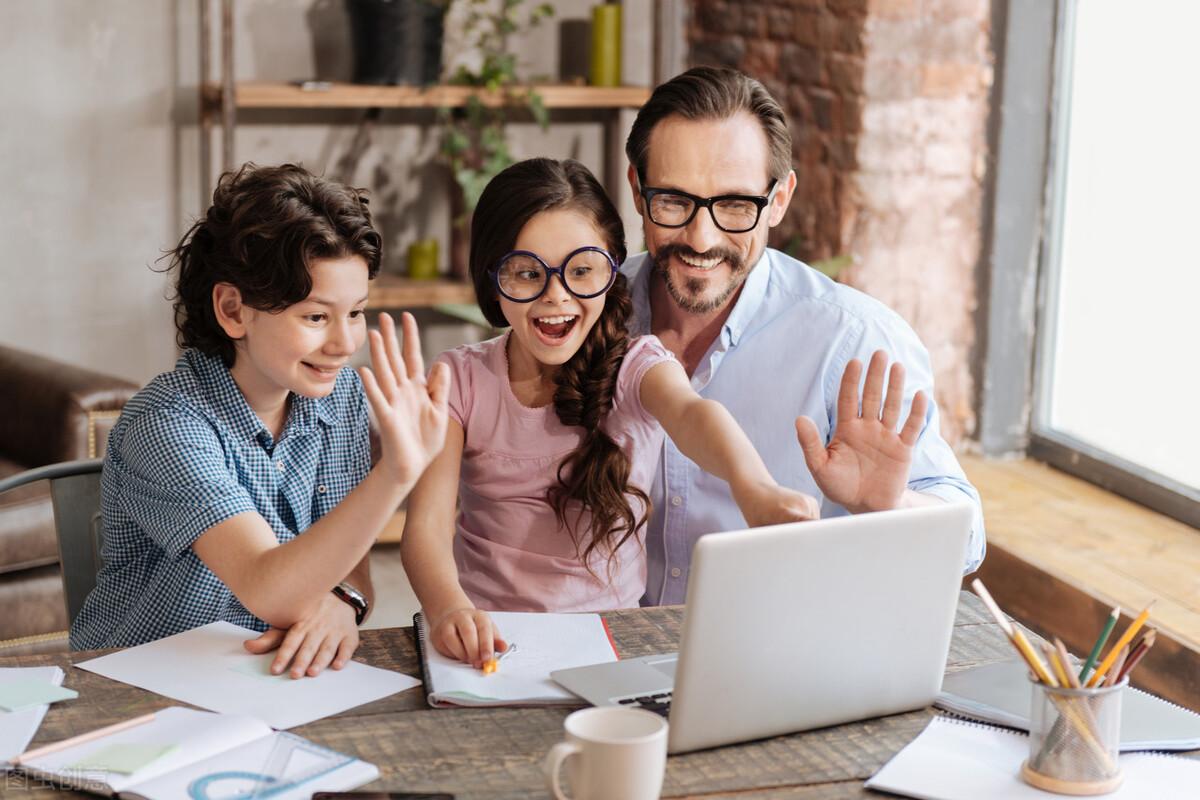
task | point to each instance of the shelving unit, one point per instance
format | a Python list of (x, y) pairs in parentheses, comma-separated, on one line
[(222, 99)]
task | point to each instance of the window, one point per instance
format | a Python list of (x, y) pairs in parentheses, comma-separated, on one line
[(1117, 390)]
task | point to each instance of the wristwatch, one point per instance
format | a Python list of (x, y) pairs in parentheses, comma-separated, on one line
[(354, 598)]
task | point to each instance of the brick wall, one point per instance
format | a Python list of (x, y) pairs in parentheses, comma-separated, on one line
[(888, 103)]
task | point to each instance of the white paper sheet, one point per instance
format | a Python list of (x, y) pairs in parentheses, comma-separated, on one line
[(209, 667), (952, 759), (18, 727), (545, 642)]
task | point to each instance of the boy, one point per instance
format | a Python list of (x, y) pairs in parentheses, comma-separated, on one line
[(259, 434)]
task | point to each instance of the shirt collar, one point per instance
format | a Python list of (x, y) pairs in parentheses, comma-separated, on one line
[(754, 290)]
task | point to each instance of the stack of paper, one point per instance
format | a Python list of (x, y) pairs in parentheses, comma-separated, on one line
[(25, 694)]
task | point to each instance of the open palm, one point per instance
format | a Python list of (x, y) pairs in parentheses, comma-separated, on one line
[(865, 467), (411, 414)]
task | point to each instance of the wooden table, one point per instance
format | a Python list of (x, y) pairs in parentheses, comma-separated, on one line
[(497, 753)]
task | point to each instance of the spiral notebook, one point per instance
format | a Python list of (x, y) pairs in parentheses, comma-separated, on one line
[(544, 643), (954, 759), (999, 693)]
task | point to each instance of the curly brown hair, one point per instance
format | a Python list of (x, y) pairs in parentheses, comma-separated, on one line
[(265, 226), (594, 477)]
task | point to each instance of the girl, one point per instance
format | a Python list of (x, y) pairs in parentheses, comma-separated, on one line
[(556, 426)]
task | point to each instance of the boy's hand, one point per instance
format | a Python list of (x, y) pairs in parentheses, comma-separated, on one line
[(411, 414), (772, 504), (328, 638), (467, 634)]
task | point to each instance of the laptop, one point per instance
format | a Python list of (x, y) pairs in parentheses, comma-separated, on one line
[(799, 626)]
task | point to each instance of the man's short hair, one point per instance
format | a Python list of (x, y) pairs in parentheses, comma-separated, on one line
[(715, 93)]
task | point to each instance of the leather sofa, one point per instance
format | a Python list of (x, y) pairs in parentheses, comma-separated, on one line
[(49, 412)]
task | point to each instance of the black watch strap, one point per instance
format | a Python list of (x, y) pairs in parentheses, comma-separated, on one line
[(353, 598)]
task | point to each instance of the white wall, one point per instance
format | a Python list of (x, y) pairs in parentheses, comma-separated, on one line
[(99, 162)]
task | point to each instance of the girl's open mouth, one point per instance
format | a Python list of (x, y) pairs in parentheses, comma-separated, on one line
[(555, 330)]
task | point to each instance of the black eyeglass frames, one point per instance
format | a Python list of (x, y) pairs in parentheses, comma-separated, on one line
[(732, 213)]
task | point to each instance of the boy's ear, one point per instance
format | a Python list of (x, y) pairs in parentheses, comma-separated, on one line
[(229, 310)]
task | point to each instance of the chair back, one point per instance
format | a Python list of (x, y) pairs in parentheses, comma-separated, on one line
[(75, 494)]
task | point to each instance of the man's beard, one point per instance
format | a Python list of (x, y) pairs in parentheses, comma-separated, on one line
[(690, 295)]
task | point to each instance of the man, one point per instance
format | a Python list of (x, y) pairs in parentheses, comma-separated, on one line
[(767, 336)]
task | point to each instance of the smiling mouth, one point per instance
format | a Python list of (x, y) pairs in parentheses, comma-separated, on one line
[(324, 372), (702, 264), (554, 330)]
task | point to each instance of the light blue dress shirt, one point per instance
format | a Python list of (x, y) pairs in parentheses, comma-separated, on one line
[(780, 355), (188, 453)]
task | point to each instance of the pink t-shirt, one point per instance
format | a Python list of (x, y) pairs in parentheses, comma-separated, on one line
[(511, 553)]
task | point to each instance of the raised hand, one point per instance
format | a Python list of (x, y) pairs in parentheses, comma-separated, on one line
[(411, 414), (865, 467)]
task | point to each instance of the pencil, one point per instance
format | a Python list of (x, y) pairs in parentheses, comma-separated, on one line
[(38, 752), (1116, 667), (1061, 649), (1100, 642), (1056, 664), (1137, 655), (1125, 639), (1014, 635)]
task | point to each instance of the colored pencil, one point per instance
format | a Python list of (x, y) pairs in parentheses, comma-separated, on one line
[(1058, 665), (1125, 639), (38, 752), (1100, 642), (1061, 649), (1116, 667), (1138, 653), (1014, 635)]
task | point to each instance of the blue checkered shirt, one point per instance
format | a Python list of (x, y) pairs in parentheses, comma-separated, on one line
[(187, 454)]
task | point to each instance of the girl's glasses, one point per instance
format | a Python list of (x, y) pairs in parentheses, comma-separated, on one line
[(522, 276)]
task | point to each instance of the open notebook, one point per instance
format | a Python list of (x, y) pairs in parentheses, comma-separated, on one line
[(1000, 693), (18, 727), (544, 643), (954, 759), (181, 752)]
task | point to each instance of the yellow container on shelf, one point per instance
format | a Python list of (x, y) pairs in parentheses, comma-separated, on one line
[(606, 45), (423, 260)]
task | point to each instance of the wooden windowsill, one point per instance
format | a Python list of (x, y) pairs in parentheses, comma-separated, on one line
[(1062, 552)]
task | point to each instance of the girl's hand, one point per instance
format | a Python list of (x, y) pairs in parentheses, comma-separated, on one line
[(411, 414), (467, 634), (772, 504)]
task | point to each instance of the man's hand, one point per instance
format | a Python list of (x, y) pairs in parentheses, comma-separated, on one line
[(412, 416), (865, 467), (328, 638)]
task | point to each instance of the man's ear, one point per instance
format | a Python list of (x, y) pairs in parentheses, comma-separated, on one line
[(634, 186), (782, 198), (229, 310)]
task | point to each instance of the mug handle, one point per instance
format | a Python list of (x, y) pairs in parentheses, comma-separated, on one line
[(553, 765)]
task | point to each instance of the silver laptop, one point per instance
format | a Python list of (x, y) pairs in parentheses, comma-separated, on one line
[(799, 626)]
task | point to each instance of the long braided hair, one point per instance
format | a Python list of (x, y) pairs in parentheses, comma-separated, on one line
[(595, 476)]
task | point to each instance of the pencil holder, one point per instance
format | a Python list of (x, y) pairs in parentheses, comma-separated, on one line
[(1074, 739)]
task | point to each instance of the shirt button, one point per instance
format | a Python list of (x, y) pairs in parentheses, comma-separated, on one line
[(676, 572), (676, 500), (321, 489), (279, 465)]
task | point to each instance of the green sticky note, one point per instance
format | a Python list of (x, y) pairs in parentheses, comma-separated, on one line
[(260, 668), (123, 758), (28, 692)]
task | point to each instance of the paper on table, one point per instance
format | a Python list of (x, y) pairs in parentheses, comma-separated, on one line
[(953, 759), (546, 642), (201, 667), (21, 693), (18, 727), (125, 758)]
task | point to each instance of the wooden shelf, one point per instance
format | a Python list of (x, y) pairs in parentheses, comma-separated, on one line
[(259, 94), (393, 291)]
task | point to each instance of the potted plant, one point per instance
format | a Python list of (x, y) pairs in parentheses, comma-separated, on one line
[(474, 142)]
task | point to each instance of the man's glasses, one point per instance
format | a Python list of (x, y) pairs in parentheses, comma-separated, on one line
[(732, 213), (521, 276)]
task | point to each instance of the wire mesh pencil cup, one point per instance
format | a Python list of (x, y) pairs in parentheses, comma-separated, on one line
[(1074, 739)]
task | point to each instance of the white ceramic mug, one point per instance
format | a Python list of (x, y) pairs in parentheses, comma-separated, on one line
[(611, 753)]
